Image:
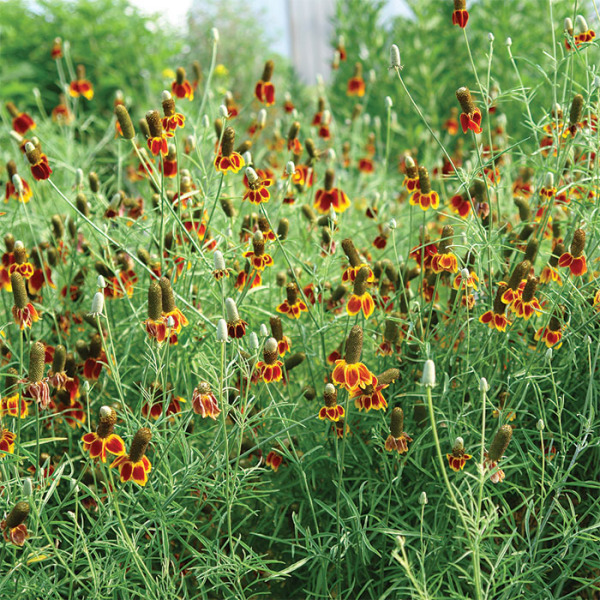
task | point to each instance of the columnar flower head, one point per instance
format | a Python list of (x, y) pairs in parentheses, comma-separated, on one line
[(470, 117), (104, 439), (460, 16), (575, 258), (228, 160), (181, 87), (349, 372), (135, 466), (157, 140), (425, 197), (497, 450), (40, 169), (361, 299), (13, 526), (331, 409), (458, 458), (265, 90), (270, 368), (397, 440)]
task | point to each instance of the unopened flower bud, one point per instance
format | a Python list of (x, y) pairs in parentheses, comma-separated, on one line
[(429, 373), (581, 25), (214, 32), (423, 499), (509, 41), (388, 103), (222, 331), (484, 386), (290, 168), (261, 119), (231, 310), (392, 224), (223, 112), (97, 304), (395, 57), (491, 37), (264, 332), (540, 425), (251, 175), (253, 341)]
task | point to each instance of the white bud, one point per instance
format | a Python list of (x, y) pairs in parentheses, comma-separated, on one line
[(222, 330), (377, 122), (97, 304), (253, 341), (336, 59), (490, 37), (568, 24), (464, 274), (79, 177), (459, 441), (214, 32), (100, 282), (429, 373), (16, 136), (247, 156), (395, 57), (223, 111), (549, 354), (29, 147), (540, 425), (19, 245), (392, 224), (258, 237), (120, 96), (329, 389), (105, 412), (166, 95), (264, 332), (423, 499), (219, 261), (588, 340), (251, 175), (170, 322), (549, 180), (581, 25), (372, 76), (409, 163), (18, 183), (484, 386), (330, 156), (287, 97), (27, 486), (271, 345), (596, 82), (290, 168), (205, 122), (190, 140), (326, 117), (261, 119), (367, 119), (509, 41), (231, 310), (388, 103), (86, 387)]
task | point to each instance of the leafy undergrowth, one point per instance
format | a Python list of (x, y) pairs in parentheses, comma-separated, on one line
[(258, 351)]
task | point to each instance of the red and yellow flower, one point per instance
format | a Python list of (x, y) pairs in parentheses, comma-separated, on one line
[(551, 335), (425, 197), (270, 368), (204, 401), (13, 527), (135, 466), (361, 299), (330, 197), (40, 168), (356, 84), (293, 306), (496, 318), (21, 122), (460, 15), (398, 439), (331, 410), (458, 458), (104, 439), (81, 86), (264, 89), (257, 192), (470, 117), (575, 259), (181, 87), (349, 372), (226, 159)]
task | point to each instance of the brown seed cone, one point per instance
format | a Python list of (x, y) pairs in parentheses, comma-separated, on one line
[(59, 359), (168, 297), (397, 425), (180, 75), (554, 324), (107, 424), (17, 515), (37, 355), (460, 4), (245, 146), (82, 349), (524, 208), (12, 109), (154, 123), (578, 243), (11, 169), (218, 125), (19, 291), (308, 213), (34, 156), (392, 331), (499, 306), (276, 328), (197, 70), (294, 360), (94, 182), (360, 282), (310, 148), (168, 107), (358, 69), (154, 301), (531, 250), (466, 100), (95, 346), (309, 392), (227, 207), (576, 110), (80, 71), (270, 357), (350, 251), (530, 289), (424, 181), (143, 124), (228, 141), (9, 242), (268, 71), (293, 131), (519, 274), (330, 396), (329, 179), (446, 240), (559, 250), (11, 381), (283, 229), (500, 443), (125, 122), (139, 444), (354, 345), (292, 293), (20, 254), (388, 376), (420, 413)]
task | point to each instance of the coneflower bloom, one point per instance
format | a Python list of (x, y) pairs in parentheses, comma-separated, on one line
[(36, 386), (425, 197), (264, 89), (527, 305), (236, 327), (460, 15), (226, 159), (356, 84), (242, 278), (496, 318), (40, 168), (94, 358), (104, 439), (515, 285), (274, 460), (349, 372), (156, 326), (81, 86), (204, 401), (169, 163), (550, 272), (444, 259), (331, 409), (21, 264), (284, 344), (398, 439), (411, 178), (13, 403), (575, 259), (57, 375), (330, 197), (157, 140), (270, 368), (575, 116), (391, 337), (257, 192), (356, 264), (460, 205), (451, 124), (470, 117), (21, 121), (583, 34), (170, 310), (293, 306), (370, 397), (361, 299), (24, 313), (293, 143), (497, 450), (466, 279), (458, 458), (16, 186), (135, 466), (14, 528), (181, 87), (551, 334), (172, 119), (7, 441), (257, 256)]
